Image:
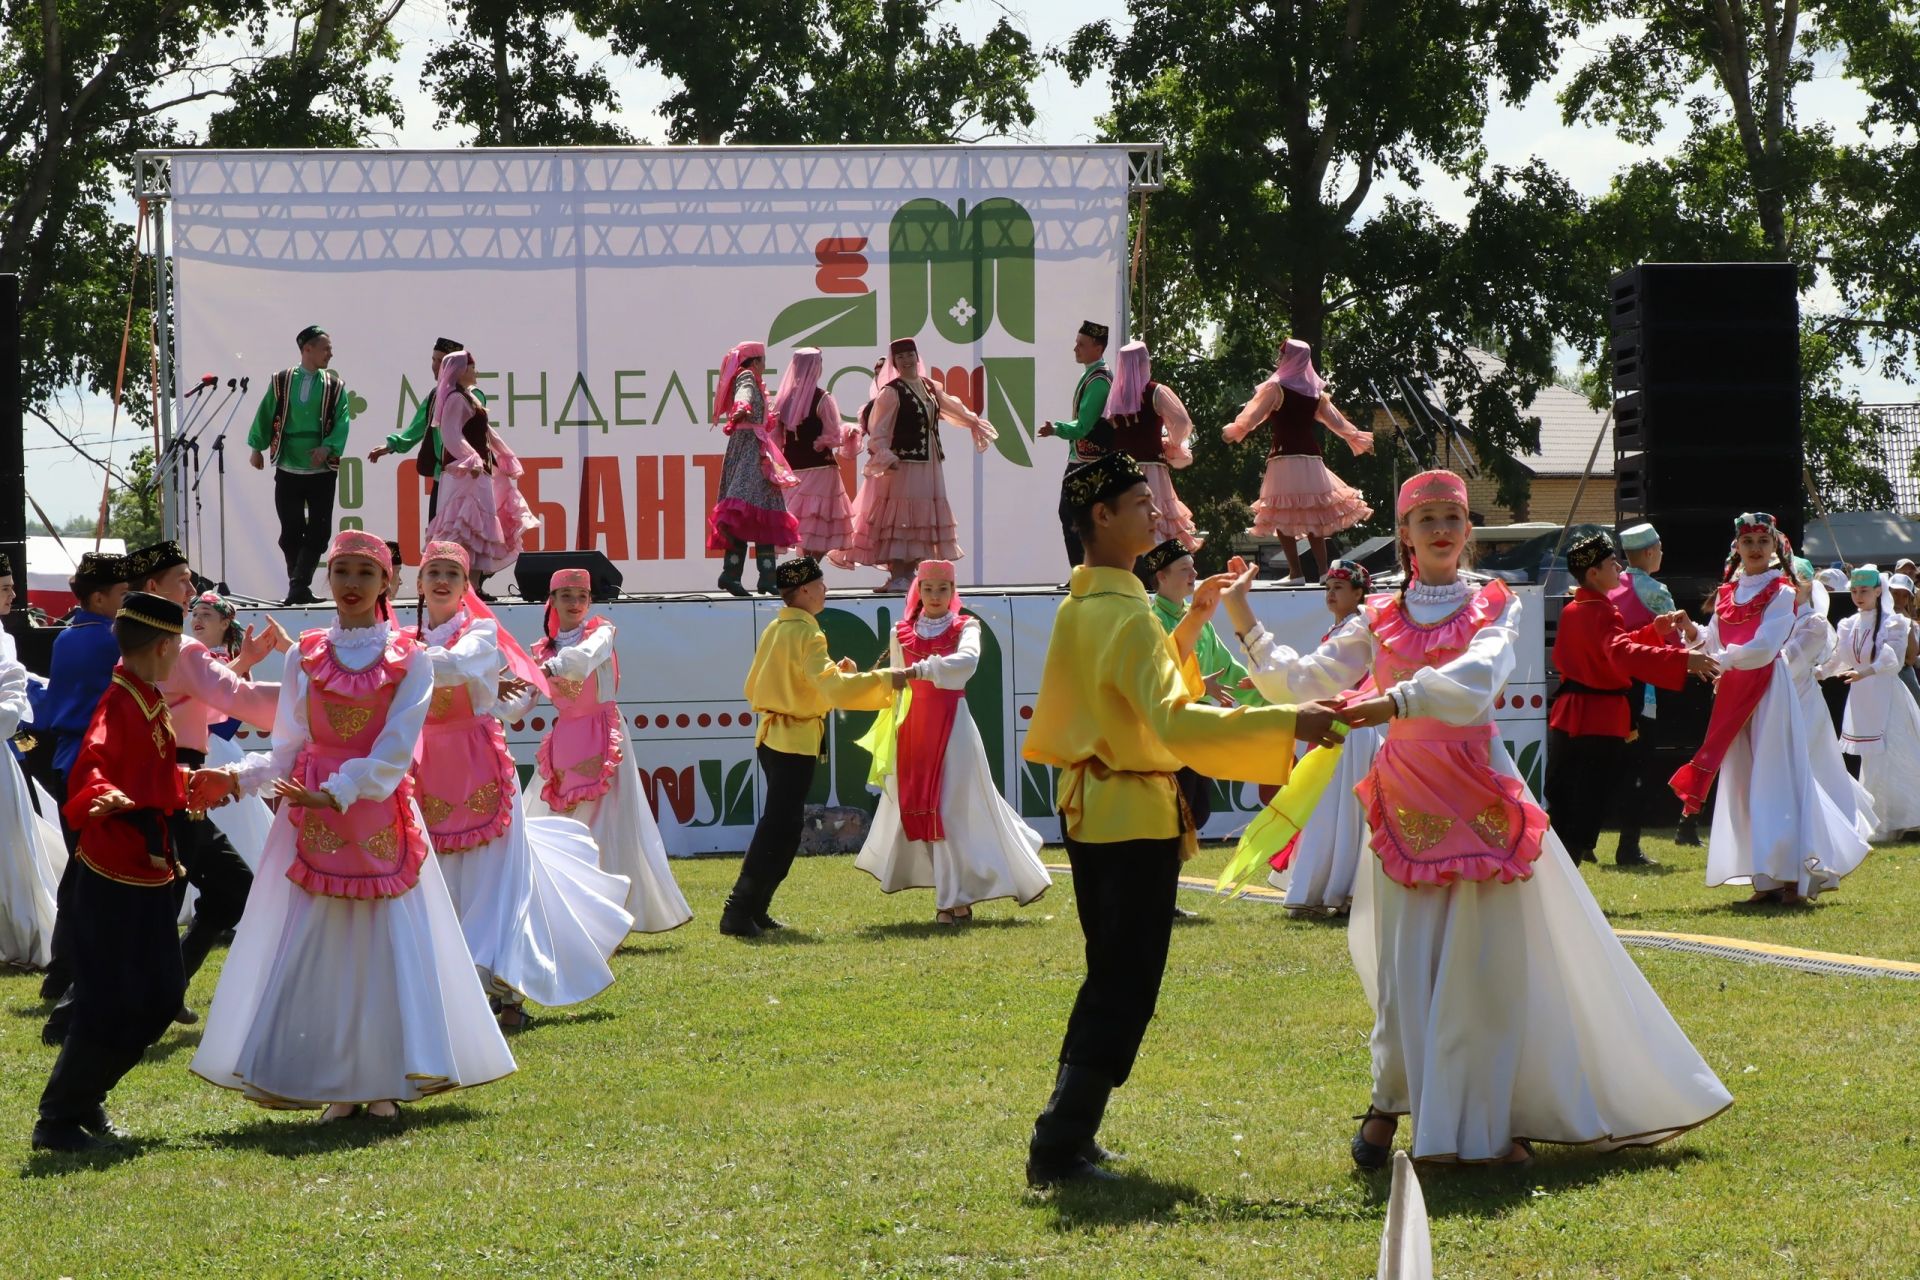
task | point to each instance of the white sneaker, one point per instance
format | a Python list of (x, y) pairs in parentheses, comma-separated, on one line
[(1295, 581)]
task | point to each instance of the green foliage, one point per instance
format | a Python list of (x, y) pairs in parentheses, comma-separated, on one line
[(134, 513), (509, 75)]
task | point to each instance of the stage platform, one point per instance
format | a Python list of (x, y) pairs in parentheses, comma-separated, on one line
[(682, 658)]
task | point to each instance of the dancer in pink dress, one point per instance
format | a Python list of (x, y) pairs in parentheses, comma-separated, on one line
[(1506, 1012), (586, 761), (754, 476), (903, 516), (540, 916), (807, 419), (1150, 424), (349, 982), (1300, 497), (480, 503)]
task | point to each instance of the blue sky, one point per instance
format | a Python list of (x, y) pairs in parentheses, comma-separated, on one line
[(66, 484)]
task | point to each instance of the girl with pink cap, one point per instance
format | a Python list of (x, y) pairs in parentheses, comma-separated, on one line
[(540, 916), (480, 507), (1300, 497), (754, 476), (942, 823), (349, 982), (1506, 1012), (903, 515), (585, 764)]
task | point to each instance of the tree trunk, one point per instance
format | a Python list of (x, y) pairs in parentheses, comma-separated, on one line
[(504, 123)]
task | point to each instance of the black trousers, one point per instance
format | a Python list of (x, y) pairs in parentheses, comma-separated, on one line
[(1075, 550), (1581, 773), (215, 869), (304, 504), (1197, 790), (59, 975), (128, 984), (776, 838), (1124, 892)]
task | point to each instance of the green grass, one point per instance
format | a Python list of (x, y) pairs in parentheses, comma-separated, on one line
[(853, 1100)]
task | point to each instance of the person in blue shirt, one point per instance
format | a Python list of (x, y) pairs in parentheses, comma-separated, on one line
[(84, 654)]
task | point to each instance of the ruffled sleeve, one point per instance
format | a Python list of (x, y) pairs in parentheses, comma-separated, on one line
[(461, 456), (832, 430), (956, 411), (376, 775), (1266, 398), (1461, 692), (1357, 440), (1179, 424), (505, 461)]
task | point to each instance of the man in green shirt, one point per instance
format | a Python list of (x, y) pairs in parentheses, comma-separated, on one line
[(421, 431), (1088, 431), (302, 426)]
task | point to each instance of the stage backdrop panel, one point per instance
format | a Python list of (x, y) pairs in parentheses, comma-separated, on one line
[(599, 290), (682, 664)]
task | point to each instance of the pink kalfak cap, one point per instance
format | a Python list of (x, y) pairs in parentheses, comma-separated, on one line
[(1430, 486), (451, 552), (358, 542), (932, 571), (570, 578)]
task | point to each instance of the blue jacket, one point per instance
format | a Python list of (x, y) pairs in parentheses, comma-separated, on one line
[(83, 659)]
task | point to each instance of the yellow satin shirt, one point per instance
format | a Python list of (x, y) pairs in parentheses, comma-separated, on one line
[(1118, 714), (793, 684)]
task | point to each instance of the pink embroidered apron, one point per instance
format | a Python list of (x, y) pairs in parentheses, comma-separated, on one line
[(374, 849), (922, 749), (1437, 809), (1735, 697), (463, 775), (581, 753)]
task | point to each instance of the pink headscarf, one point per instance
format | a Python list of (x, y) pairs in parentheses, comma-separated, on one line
[(1132, 370), (729, 367), (797, 385), (1430, 486), (580, 578), (1296, 373), (452, 365), (932, 571)]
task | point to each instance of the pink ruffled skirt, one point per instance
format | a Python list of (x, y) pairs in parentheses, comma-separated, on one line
[(819, 506), (486, 515), (1302, 497), (1176, 521), (903, 515)]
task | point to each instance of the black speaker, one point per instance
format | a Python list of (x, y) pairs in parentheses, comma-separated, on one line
[(534, 569), (1706, 376)]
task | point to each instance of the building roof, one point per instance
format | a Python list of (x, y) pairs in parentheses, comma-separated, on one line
[(1898, 444)]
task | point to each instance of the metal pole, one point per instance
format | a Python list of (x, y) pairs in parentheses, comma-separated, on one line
[(163, 339), (1560, 544), (13, 480)]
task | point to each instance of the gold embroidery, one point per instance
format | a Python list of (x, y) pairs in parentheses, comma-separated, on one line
[(348, 721), (441, 705), (564, 688), (486, 799), (1422, 831), (1490, 824), (160, 743), (586, 768), (319, 838), (384, 844), (434, 809)]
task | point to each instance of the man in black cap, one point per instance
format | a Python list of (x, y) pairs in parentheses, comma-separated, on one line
[(1088, 432), (301, 426), (126, 954), (420, 430)]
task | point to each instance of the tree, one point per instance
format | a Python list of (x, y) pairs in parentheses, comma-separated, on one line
[(823, 71), (509, 75), (1278, 120)]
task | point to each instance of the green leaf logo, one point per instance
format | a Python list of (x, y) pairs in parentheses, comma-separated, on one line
[(1010, 405), (829, 322), (356, 404), (961, 270)]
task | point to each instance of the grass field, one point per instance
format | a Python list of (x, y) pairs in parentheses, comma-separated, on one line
[(853, 1100)]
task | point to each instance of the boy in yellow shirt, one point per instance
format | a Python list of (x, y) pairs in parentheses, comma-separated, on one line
[(1120, 710), (791, 687)]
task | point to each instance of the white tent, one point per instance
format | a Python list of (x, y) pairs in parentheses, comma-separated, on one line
[(50, 565)]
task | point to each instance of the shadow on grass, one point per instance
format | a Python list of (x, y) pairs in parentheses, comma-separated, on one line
[(178, 1041), (932, 929), (651, 944), (1136, 1197), (559, 1019), (305, 1136), (58, 1164), (1479, 1191), (786, 936)]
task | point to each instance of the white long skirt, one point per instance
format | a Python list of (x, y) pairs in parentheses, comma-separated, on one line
[(1890, 766), (325, 1000), (1506, 1011), (1774, 825), (1335, 837), (540, 916), (1829, 767), (245, 820), (630, 846), (987, 853), (32, 859)]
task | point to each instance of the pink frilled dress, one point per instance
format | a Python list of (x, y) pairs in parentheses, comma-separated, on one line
[(587, 772), (1160, 438), (818, 503), (903, 515), (1504, 1007), (540, 916), (481, 510), (1299, 496), (349, 979)]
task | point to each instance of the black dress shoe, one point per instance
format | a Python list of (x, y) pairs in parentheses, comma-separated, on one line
[(1688, 833), (64, 1136), (1581, 855), (1181, 913), (100, 1125), (1371, 1155), (1093, 1153), (186, 1017), (1077, 1168), (1635, 860), (766, 922)]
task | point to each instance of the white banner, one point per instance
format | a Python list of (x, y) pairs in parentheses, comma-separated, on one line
[(682, 663), (600, 289)]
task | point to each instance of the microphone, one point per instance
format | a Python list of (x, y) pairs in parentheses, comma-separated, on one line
[(206, 380)]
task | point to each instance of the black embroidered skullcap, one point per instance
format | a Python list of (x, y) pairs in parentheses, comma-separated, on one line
[(1102, 480), (309, 333), (1349, 571), (1588, 552), (447, 346), (157, 558), (797, 572), (6, 565), (1160, 557), (99, 569), (153, 611), (1098, 332)]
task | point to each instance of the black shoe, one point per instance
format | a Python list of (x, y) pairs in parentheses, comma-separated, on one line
[(1093, 1153), (64, 1135), (737, 916), (1688, 833), (100, 1125), (1634, 860), (1371, 1155), (731, 567), (1065, 1133), (1181, 913), (1042, 1174), (1581, 855), (767, 585), (766, 922), (54, 986), (186, 1017)]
